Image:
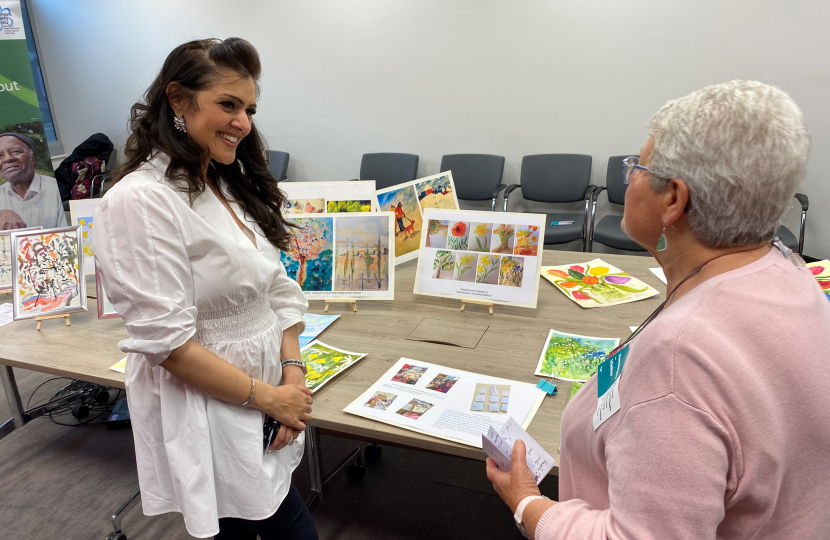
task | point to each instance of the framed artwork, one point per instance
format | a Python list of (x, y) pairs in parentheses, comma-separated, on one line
[(105, 308), (344, 256), (81, 214), (48, 275), (484, 256), (408, 202), (7, 257), (328, 197), (597, 284)]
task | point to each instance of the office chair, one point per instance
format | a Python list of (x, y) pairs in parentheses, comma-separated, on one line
[(389, 169), (608, 231), (278, 164), (477, 177)]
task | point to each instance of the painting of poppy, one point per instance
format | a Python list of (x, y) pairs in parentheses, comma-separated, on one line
[(458, 235), (597, 284)]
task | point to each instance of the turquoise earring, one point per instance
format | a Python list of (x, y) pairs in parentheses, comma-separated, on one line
[(661, 242)]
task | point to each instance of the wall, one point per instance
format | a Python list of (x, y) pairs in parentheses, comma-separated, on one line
[(435, 76)]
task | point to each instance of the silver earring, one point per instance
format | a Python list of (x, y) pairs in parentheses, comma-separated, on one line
[(178, 122)]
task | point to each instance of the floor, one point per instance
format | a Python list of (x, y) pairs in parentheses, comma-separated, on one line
[(64, 482)]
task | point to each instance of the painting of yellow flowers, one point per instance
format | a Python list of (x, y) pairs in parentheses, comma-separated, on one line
[(465, 267), (487, 269), (480, 237), (324, 362), (82, 213), (597, 284)]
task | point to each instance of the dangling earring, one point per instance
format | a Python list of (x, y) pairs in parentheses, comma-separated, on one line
[(661, 242), (178, 121)]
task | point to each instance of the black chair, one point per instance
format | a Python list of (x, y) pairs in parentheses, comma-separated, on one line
[(608, 231), (558, 178), (389, 169), (278, 164), (786, 236), (477, 177)]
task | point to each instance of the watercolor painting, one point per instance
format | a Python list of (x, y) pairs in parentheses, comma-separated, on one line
[(437, 233), (408, 220), (436, 192), (487, 269), (512, 271), (572, 357), (442, 383), (48, 278), (314, 326), (415, 409), (362, 253), (443, 265), (348, 206), (491, 398), (480, 236), (82, 214), (305, 206), (380, 400), (409, 374), (597, 284), (527, 240), (821, 271), (324, 362), (503, 238), (465, 267), (308, 259), (105, 308), (86, 235), (7, 257), (459, 235)]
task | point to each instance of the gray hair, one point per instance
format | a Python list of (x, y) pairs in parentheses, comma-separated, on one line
[(741, 147)]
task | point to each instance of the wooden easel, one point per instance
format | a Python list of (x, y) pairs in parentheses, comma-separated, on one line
[(47, 317), (352, 302), (479, 302)]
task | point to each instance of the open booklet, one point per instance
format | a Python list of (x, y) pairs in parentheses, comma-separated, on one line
[(499, 446), (446, 403)]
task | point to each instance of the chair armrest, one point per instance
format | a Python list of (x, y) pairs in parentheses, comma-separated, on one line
[(805, 202), (499, 189), (510, 189), (593, 191)]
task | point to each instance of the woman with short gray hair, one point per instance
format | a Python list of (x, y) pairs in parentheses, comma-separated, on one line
[(718, 425)]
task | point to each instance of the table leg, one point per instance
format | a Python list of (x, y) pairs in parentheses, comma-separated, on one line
[(315, 467), (17, 419)]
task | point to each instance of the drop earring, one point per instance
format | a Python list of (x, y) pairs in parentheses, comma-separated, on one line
[(178, 122), (661, 242)]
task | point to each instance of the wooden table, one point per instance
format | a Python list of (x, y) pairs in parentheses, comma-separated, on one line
[(509, 348)]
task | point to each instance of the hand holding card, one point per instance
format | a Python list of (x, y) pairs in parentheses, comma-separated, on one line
[(499, 447)]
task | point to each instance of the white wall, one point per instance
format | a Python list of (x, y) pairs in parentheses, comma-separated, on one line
[(435, 76)]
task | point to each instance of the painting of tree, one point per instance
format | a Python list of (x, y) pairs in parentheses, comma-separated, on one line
[(309, 256)]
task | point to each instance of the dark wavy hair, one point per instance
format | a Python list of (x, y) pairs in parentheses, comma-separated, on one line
[(196, 66)]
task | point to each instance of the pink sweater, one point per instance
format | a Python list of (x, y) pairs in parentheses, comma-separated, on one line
[(724, 426)]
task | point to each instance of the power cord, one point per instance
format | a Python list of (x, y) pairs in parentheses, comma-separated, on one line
[(91, 399)]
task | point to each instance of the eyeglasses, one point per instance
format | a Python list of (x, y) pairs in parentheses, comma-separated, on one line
[(629, 164)]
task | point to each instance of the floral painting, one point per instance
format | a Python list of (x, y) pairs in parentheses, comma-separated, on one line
[(597, 284), (527, 240), (512, 270), (324, 362), (348, 206), (458, 236), (480, 237), (465, 267), (503, 235), (487, 270), (573, 357), (821, 271), (308, 259), (305, 206)]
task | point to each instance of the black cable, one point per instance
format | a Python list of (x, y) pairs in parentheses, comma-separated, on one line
[(87, 397)]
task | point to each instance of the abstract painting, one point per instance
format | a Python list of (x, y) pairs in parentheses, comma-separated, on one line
[(82, 213), (7, 257), (436, 192), (48, 274), (105, 308), (348, 206), (362, 253), (503, 235), (314, 326), (572, 357), (324, 362), (821, 271), (512, 270), (308, 259), (597, 284)]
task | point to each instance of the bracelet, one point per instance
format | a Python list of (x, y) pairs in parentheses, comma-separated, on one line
[(251, 397), (292, 362)]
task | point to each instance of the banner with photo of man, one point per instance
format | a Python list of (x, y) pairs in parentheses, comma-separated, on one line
[(29, 195)]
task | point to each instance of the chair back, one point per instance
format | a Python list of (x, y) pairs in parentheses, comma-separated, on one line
[(614, 179), (278, 163), (389, 169), (475, 176), (555, 178)]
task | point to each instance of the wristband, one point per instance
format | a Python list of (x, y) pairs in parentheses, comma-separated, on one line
[(517, 517)]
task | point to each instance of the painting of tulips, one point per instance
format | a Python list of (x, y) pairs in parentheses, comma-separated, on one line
[(597, 284), (821, 271)]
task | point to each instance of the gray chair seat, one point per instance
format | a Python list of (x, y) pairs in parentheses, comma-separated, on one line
[(560, 234), (787, 237), (609, 232)]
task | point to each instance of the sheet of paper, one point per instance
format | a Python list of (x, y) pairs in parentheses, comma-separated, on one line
[(324, 362), (633, 328), (597, 284), (121, 366), (314, 326), (660, 274), (821, 271), (572, 357), (499, 446), (6, 315), (446, 403)]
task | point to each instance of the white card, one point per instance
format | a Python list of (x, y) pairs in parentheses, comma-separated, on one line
[(499, 446)]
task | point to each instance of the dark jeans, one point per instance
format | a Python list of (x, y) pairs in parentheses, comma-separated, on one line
[(291, 521)]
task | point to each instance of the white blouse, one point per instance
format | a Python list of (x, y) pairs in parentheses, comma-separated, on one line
[(175, 272)]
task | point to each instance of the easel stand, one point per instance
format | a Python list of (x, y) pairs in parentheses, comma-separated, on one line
[(465, 302), (352, 302), (47, 317)]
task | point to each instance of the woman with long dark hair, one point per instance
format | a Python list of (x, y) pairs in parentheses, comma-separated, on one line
[(187, 243)]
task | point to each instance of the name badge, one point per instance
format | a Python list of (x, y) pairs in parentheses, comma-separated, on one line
[(608, 381)]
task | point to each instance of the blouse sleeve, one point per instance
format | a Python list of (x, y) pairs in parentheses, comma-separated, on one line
[(140, 252), (287, 299)]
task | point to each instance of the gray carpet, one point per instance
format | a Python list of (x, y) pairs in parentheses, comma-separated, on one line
[(64, 482)]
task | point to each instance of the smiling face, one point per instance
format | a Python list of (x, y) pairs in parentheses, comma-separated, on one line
[(17, 161), (222, 116)]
